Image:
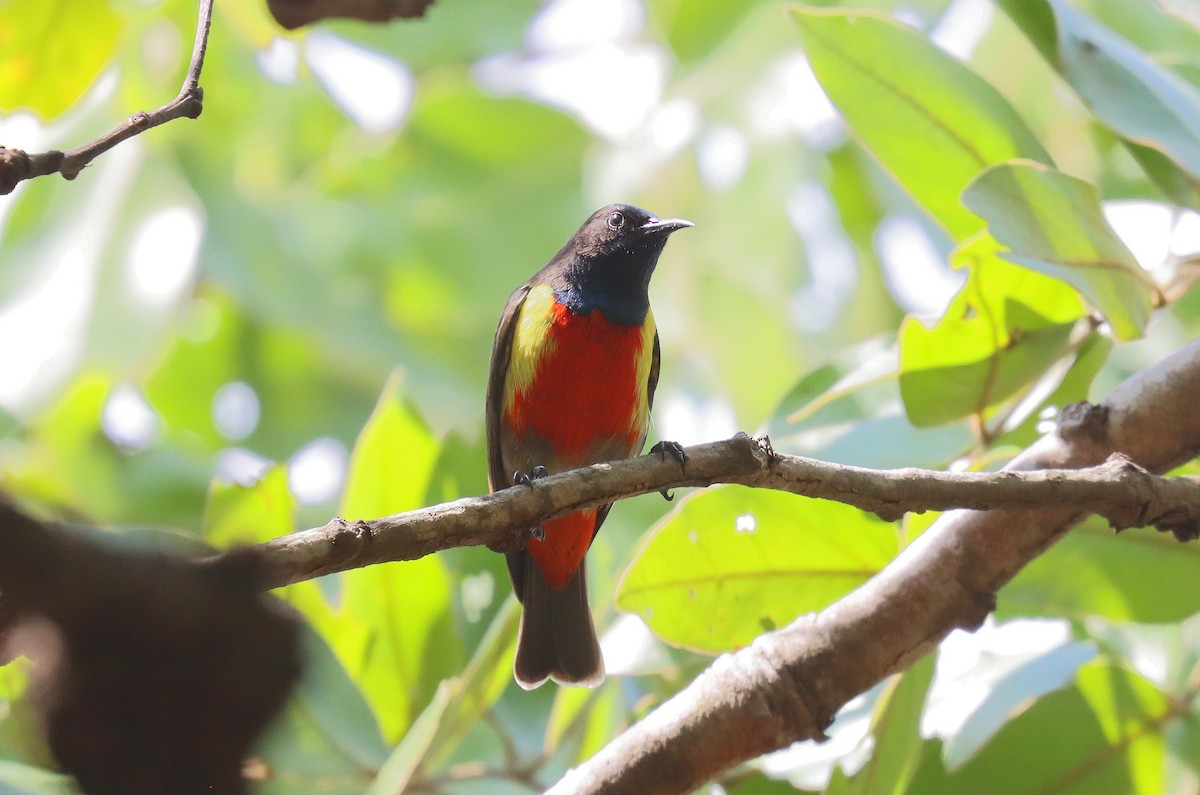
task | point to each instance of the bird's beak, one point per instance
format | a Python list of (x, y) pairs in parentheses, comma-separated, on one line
[(665, 225)]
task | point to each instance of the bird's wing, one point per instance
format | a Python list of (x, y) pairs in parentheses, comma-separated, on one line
[(498, 478)]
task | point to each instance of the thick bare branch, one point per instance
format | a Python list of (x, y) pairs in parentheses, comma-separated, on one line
[(17, 165), (788, 684)]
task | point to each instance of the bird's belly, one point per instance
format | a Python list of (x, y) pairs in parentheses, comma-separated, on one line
[(584, 403)]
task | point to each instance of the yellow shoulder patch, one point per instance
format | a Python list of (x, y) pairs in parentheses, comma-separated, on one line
[(641, 411), (531, 341)]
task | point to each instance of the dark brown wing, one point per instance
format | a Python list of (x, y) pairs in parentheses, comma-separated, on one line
[(501, 351), (498, 477)]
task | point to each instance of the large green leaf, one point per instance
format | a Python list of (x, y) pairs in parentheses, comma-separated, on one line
[(402, 765), (1143, 102), (238, 515), (896, 728), (394, 632), (53, 51), (327, 739), (1137, 575), (1052, 223), (733, 562), (472, 694), (1103, 735), (849, 410), (931, 121), (1000, 333), (1090, 357)]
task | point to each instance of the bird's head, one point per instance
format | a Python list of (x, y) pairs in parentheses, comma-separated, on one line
[(622, 230)]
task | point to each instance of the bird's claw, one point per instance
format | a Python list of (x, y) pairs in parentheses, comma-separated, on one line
[(674, 450), (526, 478)]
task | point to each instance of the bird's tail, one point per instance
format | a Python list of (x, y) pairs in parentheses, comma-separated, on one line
[(557, 639)]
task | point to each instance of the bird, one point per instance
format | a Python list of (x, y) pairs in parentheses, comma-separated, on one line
[(574, 367)]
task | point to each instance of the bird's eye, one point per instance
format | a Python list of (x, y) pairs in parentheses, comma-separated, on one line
[(616, 220)]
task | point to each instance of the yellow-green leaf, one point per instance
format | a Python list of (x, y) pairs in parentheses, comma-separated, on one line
[(1052, 223), (1000, 333), (929, 120), (394, 632), (52, 51), (731, 563)]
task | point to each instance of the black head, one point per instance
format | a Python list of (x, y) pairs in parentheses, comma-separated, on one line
[(624, 230), (607, 264)]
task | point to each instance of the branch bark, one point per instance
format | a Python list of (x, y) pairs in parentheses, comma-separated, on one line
[(1117, 489), (16, 165), (788, 685)]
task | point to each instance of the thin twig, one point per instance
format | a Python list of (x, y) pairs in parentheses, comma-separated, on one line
[(16, 165)]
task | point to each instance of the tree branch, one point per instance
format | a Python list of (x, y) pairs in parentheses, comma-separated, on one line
[(1116, 489), (16, 165), (788, 684)]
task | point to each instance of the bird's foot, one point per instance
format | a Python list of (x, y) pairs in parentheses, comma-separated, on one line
[(674, 450), (526, 479)]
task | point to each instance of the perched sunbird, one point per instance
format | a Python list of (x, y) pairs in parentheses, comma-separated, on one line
[(574, 367)]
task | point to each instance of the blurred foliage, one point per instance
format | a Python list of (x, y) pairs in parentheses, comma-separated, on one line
[(909, 251)]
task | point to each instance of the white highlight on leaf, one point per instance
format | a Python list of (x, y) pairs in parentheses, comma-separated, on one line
[(236, 410), (585, 58), (788, 101), (373, 89), (721, 156), (241, 466), (916, 273), (962, 27), (162, 259), (1144, 226), (128, 419), (478, 591), (279, 61), (317, 471)]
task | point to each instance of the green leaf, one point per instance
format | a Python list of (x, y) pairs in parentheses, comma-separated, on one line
[(394, 631), (1011, 681), (1076, 384), (929, 120), (1103, 735), (326, 736), (849, 410), (731, 563), (1176, 184), (570, 703), (1000, 333), (859, 382), (53, 52), (1137, 575), (242, 515), (479, 686), (1140, 100), (1052, 223), (400, 767), (896, 729), (694, 28)]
